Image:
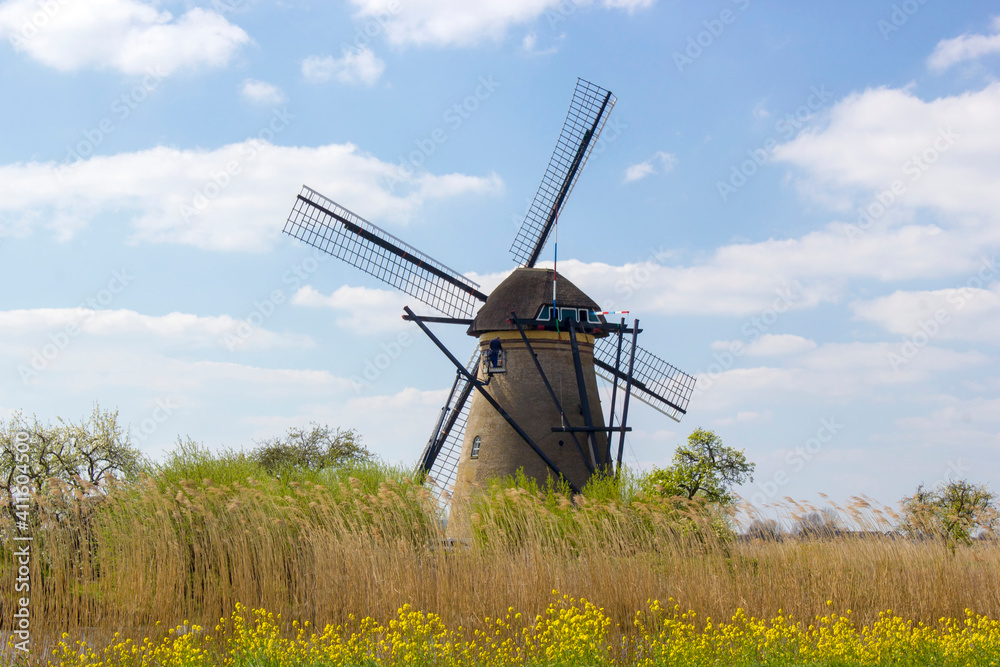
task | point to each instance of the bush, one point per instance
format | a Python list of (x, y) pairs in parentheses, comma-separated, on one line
[(191, 460), (313, 450)]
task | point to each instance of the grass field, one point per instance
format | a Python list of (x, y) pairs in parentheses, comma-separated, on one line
[(358, 555)]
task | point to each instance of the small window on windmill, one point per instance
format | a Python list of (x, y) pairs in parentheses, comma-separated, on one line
[(476, 442), (584, 315)]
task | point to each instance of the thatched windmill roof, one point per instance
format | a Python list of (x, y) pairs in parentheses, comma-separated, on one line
[(525, 291)]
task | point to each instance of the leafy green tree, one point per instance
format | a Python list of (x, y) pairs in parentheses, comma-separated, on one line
[(703, 469), (954, 512), (82, 454), (313, 449)]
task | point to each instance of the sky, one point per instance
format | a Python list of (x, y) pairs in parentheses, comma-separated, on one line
[(798, 200)]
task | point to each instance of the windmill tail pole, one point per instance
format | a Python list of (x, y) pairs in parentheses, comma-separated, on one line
[(555, 271)]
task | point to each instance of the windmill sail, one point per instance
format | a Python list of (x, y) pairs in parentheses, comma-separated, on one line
[(444, 448), (333, 229), (587, 114), (654, 381)]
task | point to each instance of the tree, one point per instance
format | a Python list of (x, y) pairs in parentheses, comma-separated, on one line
[(83, 455), (824, 523), (765, 530), (315, 449), (954, 512), (704, 468)]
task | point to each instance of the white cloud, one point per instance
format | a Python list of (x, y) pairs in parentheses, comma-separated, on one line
[(760, 111), (963, 313), (778, 275), (127, 35), (639, 171), (365, 310), (836, 372), (141, 364), (746, 417), (222, 199), (779, 345), (770, 345), (660, 162), (179, 330), (958, 414), (463, 24), (944, 152), (263, 93), (530, 45), (949, 52), (357, 66)]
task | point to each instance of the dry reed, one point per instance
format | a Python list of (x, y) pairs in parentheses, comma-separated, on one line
[(158, 551)]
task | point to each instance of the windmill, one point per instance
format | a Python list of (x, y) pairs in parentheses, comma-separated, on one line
[(528, 397)]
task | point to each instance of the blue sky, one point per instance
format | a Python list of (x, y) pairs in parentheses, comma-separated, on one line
[(799, 201)]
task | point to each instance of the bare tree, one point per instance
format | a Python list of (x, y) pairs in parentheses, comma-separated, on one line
[(824, 523), (766, 530)]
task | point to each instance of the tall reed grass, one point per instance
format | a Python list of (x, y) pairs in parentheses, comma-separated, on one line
[(202, 534)]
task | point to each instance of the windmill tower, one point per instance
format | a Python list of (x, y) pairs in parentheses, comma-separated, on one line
[(544, 378), (542, 342)]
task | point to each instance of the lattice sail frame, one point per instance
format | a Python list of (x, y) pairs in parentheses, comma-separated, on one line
[(441, 477), (661, 378), (588, 113), (324, 224)]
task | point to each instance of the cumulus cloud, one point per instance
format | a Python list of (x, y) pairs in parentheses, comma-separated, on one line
[(463, 24), (835, 372), (770, 345), (747, 279), (966, 312), (355, 67), (529, 45), (262, 92), (173, 374), (364, 310), (180, 330), (949, 52), (661, 162), (746, 417), (127, 35), (943, 153), (222, 199)]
